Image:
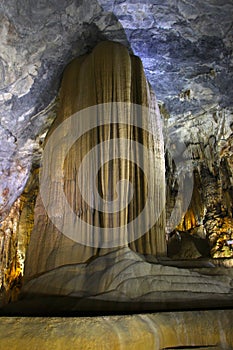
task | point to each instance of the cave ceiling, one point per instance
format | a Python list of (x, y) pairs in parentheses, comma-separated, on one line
[(186, 49)]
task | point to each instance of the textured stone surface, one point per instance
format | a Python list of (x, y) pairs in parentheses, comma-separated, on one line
[(15, 233), (184, 46), (186, 50), (187, 60), (37, 42), (208, 140), (203, 329), (108, 74), (123, 276)]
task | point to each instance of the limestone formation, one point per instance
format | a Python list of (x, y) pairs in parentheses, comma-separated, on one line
[(186, 51), (187, 61), (58, 266), (125, 281), (108, 74), (210, 330), (208, 139)]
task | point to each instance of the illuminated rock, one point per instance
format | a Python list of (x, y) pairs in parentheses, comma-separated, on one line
[(109, 74), (186, 330)]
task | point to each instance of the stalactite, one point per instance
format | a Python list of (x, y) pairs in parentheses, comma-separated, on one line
[(15, 233), (108, 74), (194, 216), (9, 256)]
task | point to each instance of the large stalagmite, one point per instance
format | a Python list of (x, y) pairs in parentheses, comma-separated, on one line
[(108, 75)]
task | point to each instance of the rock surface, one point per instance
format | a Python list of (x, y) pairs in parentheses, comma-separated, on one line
[(203, 164), (186, 50), (187, 61), (36, 38), (200, 329), (113, 79), (123, 276)]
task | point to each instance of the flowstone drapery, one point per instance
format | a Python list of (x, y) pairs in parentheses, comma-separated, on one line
[(113, 77)]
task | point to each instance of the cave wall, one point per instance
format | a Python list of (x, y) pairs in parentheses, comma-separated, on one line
[(207, 140), (188, 63)]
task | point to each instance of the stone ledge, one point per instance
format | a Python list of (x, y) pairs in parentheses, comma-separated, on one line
[(166, 330)]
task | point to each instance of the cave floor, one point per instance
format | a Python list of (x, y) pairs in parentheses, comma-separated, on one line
[(42, 305)]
